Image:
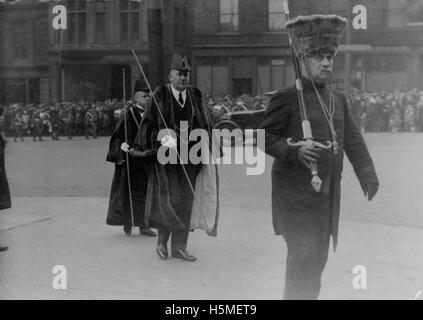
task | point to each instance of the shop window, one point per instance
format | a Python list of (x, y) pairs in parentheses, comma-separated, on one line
[(274, 76), (213, 80)]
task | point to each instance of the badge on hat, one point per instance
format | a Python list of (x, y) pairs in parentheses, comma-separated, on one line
[(315, 33), (179, 63), (140, 85)]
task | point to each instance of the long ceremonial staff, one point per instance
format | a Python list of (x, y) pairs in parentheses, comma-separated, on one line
[(125, 126), (316, 182)]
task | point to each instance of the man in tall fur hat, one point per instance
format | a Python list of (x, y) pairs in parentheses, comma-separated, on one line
[(181, 196), (119, 212), (304, 217)]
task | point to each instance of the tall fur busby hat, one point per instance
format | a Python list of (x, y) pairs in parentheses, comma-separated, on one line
[(140, 85), (179, 63), (315, 33)]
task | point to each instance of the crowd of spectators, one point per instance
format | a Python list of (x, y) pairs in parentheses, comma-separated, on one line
[(61, 118), (393, 111)]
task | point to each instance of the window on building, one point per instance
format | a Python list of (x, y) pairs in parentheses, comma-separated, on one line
[(274, 74), (22, 39), (129, 20), (229, 16), (276, 15), (395, 13), (212, 75), (77, 21), (100, 21), (414, 13)]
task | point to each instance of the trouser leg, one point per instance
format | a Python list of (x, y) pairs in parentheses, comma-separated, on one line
[(307, 238), (163, 235), (304, 267), (180, 237)]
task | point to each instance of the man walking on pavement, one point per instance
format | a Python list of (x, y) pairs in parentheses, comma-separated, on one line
[(172, 190), (119, 212), (305, 217)]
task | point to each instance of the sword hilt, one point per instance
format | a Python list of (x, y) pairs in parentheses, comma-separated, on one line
[(316, 182)]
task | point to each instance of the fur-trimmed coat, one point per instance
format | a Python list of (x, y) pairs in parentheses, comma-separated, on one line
[(159, 209)]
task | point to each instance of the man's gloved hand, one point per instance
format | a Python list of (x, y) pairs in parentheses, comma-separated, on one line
[(169, 142), (124, 147), (370, 189), (307, 153)]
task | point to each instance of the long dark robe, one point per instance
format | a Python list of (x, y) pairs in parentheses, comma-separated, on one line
[(160, 206), (293, 198), (119, 204), (5, 202)]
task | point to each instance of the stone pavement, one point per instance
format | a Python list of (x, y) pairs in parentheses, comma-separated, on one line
[(59, 197), (245, 261)]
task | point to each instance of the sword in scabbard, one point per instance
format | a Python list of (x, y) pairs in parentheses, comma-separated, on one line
[(316, 182)]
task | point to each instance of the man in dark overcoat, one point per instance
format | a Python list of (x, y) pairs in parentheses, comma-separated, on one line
[(172, 186), (5, 202), (304, 217), (119, 212)]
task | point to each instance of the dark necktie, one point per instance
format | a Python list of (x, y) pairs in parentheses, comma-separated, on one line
[(181, 100)]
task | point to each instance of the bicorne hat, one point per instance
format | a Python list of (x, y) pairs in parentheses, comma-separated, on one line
[(315, 33), (179, 63)]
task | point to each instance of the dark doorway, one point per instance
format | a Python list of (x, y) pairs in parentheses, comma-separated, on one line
[(242, 86)]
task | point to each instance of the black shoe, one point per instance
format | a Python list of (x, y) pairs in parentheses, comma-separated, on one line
[(127, 230), (162, 251), (147, 232), (184, 255), (3, 248)]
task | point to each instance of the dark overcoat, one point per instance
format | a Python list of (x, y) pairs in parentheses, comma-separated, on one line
[(159, 204), (119, 204), (5, 202), (293, 197)]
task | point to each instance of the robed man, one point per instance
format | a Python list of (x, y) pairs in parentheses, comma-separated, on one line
[(120, 212), (182, 195)]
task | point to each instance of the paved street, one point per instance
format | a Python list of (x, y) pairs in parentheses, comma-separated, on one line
[(60, 196)]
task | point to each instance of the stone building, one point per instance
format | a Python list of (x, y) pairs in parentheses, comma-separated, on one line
[(235, 46)]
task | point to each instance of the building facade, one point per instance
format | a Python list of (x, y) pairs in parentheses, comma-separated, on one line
[(240, 46), (39, 63), (235, 46)]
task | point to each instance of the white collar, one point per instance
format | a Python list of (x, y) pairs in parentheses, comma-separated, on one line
[(139, 107), (176, 95)]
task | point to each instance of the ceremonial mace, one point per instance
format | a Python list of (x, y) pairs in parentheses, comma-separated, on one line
[(316, 182), (125, 126)]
